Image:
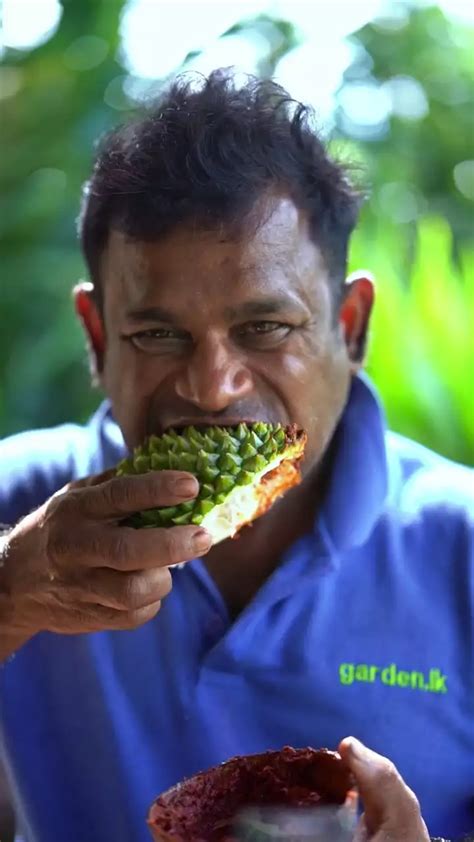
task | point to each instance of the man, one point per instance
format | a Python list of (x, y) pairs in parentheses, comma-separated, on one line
[(215, 231)]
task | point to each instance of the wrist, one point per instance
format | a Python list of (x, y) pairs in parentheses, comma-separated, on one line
[(12, 636)]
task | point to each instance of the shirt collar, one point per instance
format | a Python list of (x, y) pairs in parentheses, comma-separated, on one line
[(106, 433), (358, 485)]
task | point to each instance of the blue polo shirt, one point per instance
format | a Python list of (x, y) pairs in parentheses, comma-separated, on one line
[(365, 628)]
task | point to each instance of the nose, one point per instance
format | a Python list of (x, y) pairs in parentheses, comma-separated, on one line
[(215, 377)]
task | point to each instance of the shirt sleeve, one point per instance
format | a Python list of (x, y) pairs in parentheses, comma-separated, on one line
[(35, 464)]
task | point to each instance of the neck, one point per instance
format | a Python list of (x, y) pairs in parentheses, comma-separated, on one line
[(240, 566)]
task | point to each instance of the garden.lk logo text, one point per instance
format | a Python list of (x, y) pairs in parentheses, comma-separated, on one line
[(392, 676)]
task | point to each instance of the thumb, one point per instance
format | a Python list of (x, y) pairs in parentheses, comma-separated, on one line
[(391, 808)]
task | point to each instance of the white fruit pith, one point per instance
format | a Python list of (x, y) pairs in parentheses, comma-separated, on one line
[(247, 502)]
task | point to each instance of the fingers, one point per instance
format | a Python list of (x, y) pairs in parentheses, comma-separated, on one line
[(121, 496), (123, 548), (80, 618), (123, 620), (129, 592), (391, 808), (75, 569)]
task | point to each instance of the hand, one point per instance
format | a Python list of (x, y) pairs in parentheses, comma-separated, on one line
[(70, 567), (392, 812)]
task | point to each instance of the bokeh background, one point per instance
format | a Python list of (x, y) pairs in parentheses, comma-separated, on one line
[(392, 84)]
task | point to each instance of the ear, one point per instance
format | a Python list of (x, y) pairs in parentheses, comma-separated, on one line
[(92, 322), (354, 315)]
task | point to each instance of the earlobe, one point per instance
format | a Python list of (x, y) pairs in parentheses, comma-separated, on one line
[(91, 320), (354, 315)]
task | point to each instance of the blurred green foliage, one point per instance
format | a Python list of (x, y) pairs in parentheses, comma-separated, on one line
[(422, 343), (415, 231)]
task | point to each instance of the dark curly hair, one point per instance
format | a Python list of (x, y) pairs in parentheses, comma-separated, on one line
[(204, 154)]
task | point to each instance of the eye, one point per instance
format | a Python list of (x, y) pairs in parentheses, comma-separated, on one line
[(158, 339), (264, 332), (262, 327)]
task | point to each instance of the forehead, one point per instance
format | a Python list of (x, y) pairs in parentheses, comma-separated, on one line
[(271, 252)]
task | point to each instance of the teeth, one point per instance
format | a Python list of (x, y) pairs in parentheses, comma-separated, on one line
[(230, 464)]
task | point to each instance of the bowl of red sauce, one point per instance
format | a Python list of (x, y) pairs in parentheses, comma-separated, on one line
[(275, 795)]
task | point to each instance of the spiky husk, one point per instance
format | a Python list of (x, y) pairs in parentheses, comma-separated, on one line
[(241, 471)]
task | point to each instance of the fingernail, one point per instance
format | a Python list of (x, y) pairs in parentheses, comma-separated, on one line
[(201, 541), (186, 487)]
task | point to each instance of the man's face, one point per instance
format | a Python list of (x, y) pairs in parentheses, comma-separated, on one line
[(206, 327)]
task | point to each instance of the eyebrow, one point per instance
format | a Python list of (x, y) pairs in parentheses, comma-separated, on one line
[(151, 314), (246, 310), (260, 307)]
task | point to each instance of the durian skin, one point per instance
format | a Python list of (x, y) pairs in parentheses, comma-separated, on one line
[(222, 459)]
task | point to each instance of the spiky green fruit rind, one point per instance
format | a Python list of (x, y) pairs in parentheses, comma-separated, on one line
[(230, 464)]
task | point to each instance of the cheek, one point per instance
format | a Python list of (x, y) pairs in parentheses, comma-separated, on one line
[(293, 369), (315, 389), (308, 378), (129, 380)]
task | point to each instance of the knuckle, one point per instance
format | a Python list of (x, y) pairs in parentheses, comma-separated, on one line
[(64, 503), (56, 509), (388, 773), (60, 513), (94, 545), (173, 545), (140, 590), (133, 592), (118, 493), (119, 549)]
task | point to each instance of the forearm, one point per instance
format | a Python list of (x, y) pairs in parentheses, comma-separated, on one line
[(10, 639)]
